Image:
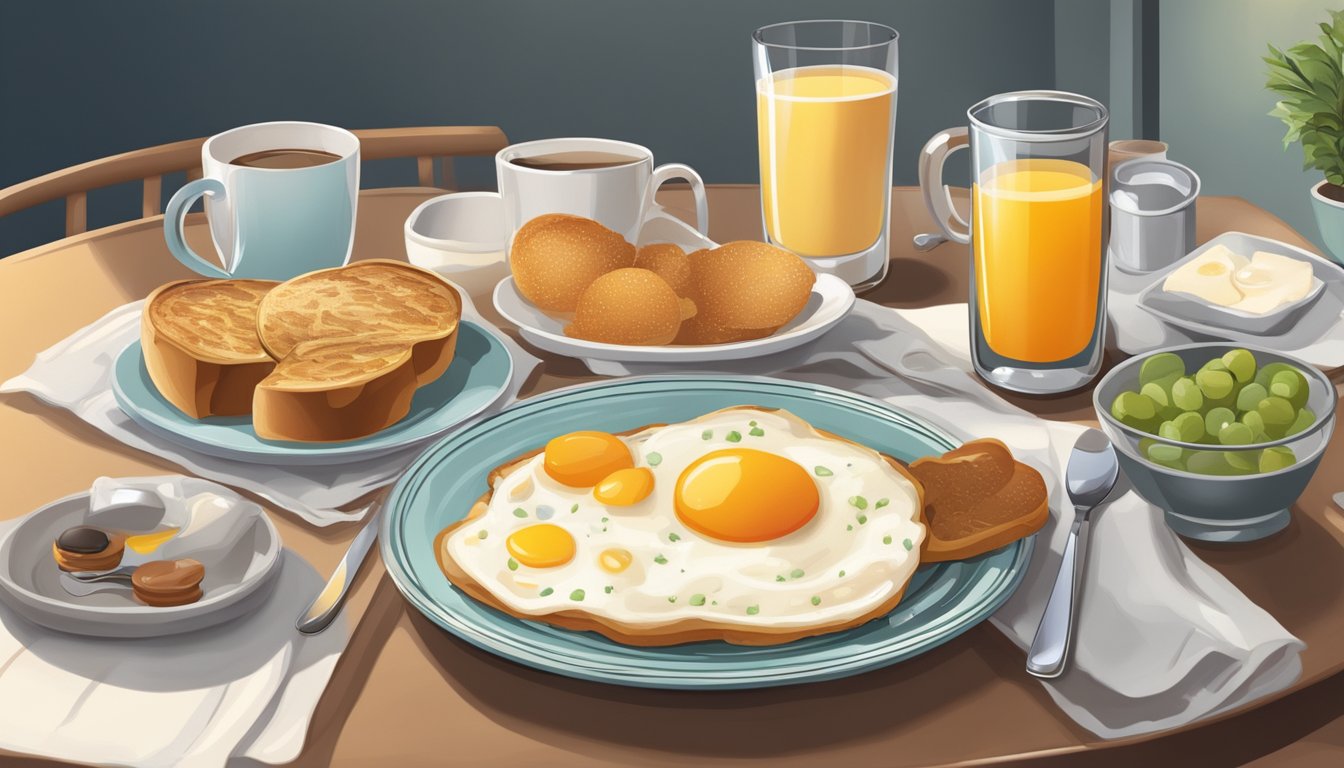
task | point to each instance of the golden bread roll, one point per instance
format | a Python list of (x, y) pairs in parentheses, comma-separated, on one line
[(749, 285), (627, 306), (375, 298), (200, 344), (336, 389), (669, 262), (555, 257)]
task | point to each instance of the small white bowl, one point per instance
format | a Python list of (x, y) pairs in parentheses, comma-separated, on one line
[(461, 236)]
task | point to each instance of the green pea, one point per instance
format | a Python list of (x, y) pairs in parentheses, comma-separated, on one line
[(1162, 369), (1277, 413), (1276, 458), (1133, 409), (1161, 396), (1244, 461), (1166, 455), (1215, 384), (1190, 426), (1241, 363), (1289, 385), (1217, 418), (1236, 433), (1265, 378), (1186, 395), (1250, 396), (1211, 463), (1305, 418)]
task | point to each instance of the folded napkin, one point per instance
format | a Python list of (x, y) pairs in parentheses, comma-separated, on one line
[(76, 374), (245, 688), (1163, 639)]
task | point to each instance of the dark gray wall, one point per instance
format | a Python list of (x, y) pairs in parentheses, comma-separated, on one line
[(80, 80)]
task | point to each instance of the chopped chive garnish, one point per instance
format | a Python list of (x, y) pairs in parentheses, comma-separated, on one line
[(654, 459), (546, 592), (734, 437), (752, 610), (842, 574), (520, 512), (482, 534), (751, 423), (707, 434), (608, 589), (576, 595), (756, 432), (858, 501), (713, 602), (822, 472), (673, 536), (886, 539), (605, 519), (816, 599), (796, 573), (697, 599), (780, 577), (849, 527), (659, 559), (909, 545), (513, 564), (672, 599), (863, 519), (574, 509), (882, 503)]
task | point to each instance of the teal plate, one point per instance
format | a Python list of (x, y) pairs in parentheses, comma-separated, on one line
[(480, 372), (942, 600)]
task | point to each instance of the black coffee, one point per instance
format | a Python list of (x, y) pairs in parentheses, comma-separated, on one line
[(285, 158), (574, 161)]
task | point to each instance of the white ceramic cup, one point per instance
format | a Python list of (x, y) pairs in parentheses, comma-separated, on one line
[(618, 197), (460, 235)]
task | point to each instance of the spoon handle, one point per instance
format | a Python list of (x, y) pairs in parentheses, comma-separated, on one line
[(1050, 648)]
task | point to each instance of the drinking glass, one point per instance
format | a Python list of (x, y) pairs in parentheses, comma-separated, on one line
[(1038, 231), (825, 114)]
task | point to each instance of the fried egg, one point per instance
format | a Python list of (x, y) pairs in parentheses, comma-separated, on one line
[(742, 518)]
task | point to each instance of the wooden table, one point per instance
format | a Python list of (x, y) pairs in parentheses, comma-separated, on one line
[(407, 693)]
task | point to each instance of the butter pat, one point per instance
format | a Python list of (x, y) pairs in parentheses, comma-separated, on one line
[(1258, 286), (1209, 277)]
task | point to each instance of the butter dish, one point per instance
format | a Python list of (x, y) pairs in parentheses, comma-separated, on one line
[(1194, 313)]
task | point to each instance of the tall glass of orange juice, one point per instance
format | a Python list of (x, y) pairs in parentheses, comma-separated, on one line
[(825, 115), (1037, 235)]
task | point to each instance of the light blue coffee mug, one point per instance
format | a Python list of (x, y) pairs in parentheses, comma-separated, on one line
[(271, 223)]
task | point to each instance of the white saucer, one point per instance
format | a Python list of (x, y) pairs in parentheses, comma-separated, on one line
[(831, 300), (30, 581)]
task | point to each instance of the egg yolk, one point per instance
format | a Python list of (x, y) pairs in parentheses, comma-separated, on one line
[(541, 546), (745, 495), (615, 560), (583, 459), (625, 487)]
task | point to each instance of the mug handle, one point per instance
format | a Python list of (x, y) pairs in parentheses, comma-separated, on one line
[(665, 173), (936, 195), (174, 218)]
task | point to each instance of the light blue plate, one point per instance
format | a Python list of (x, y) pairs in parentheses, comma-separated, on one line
[(942, 600), (480, 371)]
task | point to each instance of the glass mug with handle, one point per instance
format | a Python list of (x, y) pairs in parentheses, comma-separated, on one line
[(1038, 231)]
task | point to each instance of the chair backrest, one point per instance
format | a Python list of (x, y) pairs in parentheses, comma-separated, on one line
[(428, 145)]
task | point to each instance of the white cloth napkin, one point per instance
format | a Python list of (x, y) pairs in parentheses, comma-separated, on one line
[(1163, 639), (76, 374), (246, 688)]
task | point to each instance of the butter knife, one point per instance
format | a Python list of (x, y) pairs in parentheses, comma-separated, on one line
[(329, 601)]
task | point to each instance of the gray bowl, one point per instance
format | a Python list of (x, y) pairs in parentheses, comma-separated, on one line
[(1216, 507)]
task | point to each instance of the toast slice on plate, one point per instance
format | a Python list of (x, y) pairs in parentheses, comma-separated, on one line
[(368, 299), (978, 498), (201, 346), (335, 389)]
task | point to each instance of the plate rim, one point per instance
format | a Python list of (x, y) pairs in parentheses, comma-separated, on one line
[(345, 452), (638, 353), (23, 601), (1002, 585)]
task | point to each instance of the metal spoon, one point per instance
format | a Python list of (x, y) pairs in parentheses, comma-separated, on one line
[(1091, 475), (85, 583), (927, 241)]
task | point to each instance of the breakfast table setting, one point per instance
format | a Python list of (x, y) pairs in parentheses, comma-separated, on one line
[(247, 450)]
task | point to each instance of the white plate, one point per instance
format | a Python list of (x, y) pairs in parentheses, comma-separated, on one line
[(30, 581), (831, 300), (1199, 315)]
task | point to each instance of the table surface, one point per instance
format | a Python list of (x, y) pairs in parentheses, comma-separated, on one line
[(406, 692)]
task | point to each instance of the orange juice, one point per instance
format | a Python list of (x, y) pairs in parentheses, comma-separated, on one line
[(1037, 235), (824, 135)]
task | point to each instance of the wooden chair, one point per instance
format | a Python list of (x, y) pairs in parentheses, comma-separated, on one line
[(431, 146)]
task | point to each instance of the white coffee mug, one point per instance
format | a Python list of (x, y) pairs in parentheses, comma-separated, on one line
[(620, 197)]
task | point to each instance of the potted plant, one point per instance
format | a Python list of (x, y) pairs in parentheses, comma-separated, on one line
[(1309, 78)]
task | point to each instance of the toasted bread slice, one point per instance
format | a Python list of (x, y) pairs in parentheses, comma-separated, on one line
[(335, 389), (978, 498), (367, 299), (201, 347)]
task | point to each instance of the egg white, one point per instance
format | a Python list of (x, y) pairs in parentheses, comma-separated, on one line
[(843, 564)]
